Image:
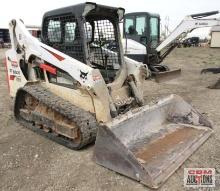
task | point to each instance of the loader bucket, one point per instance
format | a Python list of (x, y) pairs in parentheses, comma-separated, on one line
[(148, 144), (167, 75)]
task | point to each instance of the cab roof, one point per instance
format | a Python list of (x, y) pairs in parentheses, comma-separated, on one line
[(78, 10), (142, 13)]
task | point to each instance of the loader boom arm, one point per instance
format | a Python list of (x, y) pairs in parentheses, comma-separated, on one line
[(27, 45), (188, 24)]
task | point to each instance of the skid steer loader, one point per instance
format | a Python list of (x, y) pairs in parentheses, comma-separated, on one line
[(70, 85)]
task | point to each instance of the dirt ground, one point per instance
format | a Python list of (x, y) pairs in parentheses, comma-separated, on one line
[(31, 162)]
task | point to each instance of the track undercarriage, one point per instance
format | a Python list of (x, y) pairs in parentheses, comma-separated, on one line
[(43, 112)]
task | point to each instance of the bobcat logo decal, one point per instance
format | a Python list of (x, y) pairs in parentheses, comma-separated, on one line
[(83, 75)]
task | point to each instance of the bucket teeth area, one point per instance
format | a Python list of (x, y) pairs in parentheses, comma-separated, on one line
[(159, 153), (156, 149)]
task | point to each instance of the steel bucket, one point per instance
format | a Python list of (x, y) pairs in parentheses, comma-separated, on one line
[(148, 144)]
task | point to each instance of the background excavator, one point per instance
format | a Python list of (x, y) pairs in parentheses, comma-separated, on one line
[(70, 85), (141, 33)]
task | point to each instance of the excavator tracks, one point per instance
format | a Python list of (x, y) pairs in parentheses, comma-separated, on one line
[(45, 113)]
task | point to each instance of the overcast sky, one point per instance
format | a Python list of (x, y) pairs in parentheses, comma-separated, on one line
[(32, 11)]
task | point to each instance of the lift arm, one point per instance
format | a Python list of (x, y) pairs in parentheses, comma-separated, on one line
[(188, 24)]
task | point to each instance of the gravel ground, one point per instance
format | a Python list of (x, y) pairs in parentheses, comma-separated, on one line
[(31, 162)]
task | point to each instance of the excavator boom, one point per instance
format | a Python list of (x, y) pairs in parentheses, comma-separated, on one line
[(187, 25)]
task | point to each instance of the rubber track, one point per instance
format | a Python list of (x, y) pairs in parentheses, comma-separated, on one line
[(84, 120)]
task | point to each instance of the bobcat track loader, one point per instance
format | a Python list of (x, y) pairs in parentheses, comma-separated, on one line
[(70, 85)]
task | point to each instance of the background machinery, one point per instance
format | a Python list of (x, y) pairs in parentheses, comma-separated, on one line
[(141, 32), (71, 85), (188, 42)]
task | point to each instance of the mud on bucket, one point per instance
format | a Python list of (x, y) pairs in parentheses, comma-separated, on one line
[(148, 144)]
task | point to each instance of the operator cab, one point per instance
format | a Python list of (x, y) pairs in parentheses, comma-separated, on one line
[(89, 33), (143, 27)]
